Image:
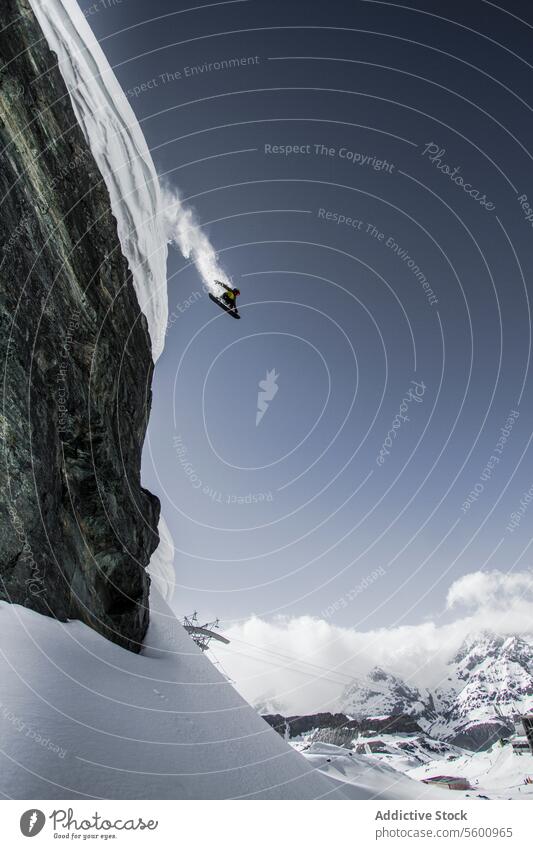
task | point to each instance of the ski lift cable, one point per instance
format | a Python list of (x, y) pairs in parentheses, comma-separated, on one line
[(277, 665), (294, 659), (346, 678), (189, 626), (350, 679), (196, 633), (218, 663), (308, 673)]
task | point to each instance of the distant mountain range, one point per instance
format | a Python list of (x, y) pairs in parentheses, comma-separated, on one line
[(489, 686)]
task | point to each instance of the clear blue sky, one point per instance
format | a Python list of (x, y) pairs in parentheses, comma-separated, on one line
[(291, 514)]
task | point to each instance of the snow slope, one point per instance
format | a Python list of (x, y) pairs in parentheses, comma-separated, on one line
[(496, 773), (82, 718), (121, 153)]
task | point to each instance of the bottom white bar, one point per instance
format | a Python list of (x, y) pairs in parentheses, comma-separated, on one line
[(257, 825)]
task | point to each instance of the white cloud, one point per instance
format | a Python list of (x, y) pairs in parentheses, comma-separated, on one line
[(494, 589), (325, 657)]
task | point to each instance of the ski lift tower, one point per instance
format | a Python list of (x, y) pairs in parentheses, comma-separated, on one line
[(203, 634), (527, 722)]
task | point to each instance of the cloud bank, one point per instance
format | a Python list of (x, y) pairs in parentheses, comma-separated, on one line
[(304, 663)]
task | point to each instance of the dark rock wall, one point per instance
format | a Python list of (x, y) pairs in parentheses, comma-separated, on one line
[(77, 527)]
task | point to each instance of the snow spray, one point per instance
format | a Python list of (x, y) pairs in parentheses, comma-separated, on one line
[(183, 229)]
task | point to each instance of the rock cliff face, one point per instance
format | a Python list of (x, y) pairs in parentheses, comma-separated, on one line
[(77, 527)]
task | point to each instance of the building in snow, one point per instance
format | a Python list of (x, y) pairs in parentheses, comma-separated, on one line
[(452, 782)]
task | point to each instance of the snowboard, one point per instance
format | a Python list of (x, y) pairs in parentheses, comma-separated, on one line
[(233, 311)]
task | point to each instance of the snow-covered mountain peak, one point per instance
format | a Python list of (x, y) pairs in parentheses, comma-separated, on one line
[(492, 657), (488, 686), (379, 674), (475, 648), (383, 694)]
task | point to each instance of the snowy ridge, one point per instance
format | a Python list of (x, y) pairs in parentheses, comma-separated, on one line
[(161, 566), (121, 153), (372, 779)]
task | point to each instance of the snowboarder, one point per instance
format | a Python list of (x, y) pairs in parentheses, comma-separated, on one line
[(230, 296), (228, 299)]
